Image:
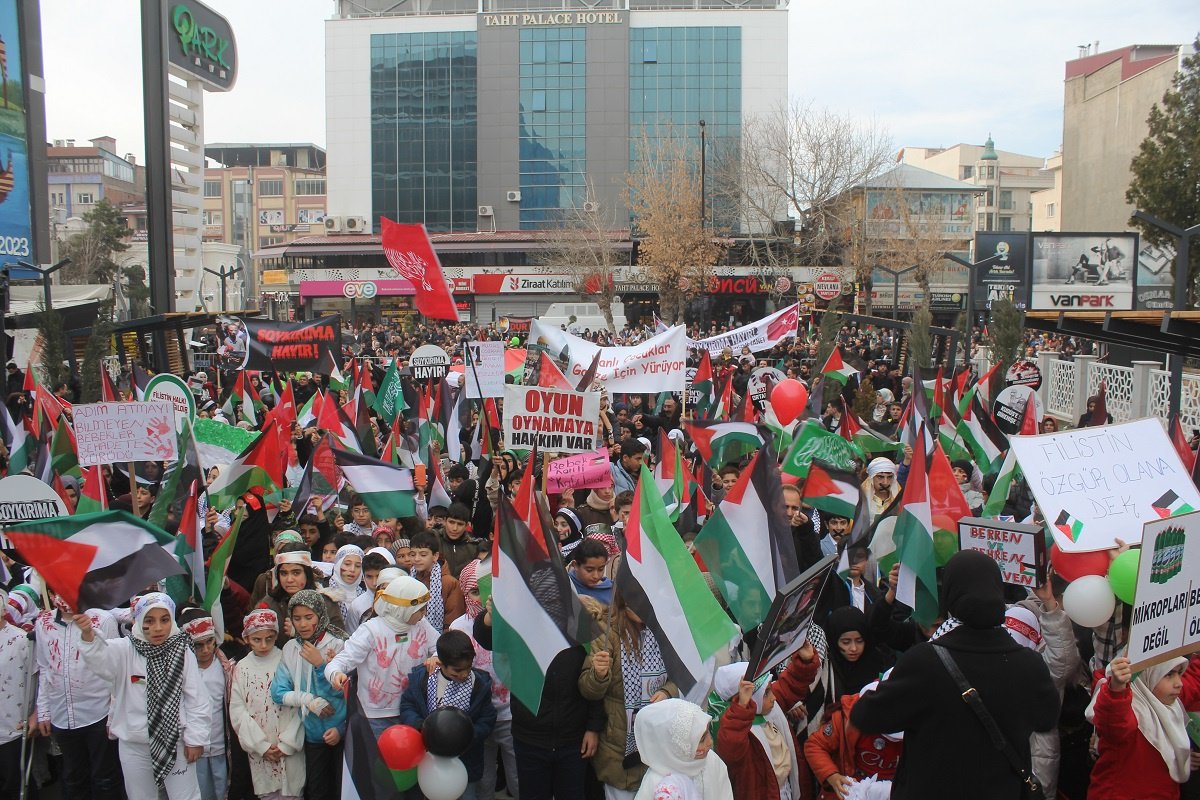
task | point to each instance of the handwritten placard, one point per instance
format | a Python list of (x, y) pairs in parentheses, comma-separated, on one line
[(115, 433), (1019, 550), (484, 369), (1166, 603), (583, 471), (556, 421), (1097, 485)]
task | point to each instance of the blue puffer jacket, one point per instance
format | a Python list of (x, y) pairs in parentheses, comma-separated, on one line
[(414, 708)]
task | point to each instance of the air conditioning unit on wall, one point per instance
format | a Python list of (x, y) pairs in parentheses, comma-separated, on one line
[(486, 211), (591, 206), (333, 224), (514, 197), (355, 224)]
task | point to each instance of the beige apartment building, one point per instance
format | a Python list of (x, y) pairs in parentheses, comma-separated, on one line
[(1008, 180), (1047, 203), (1107, 98)]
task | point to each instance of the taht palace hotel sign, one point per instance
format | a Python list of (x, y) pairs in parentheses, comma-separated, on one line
[(553, 18)]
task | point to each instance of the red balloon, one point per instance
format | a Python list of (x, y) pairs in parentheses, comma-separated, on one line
[(401, 747), (1072, 566), (788, 399)]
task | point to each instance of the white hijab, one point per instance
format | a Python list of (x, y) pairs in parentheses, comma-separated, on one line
[(667, 734), (1165, 727), (726, 684)]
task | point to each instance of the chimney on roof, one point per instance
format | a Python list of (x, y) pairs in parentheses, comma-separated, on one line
[(131, 158)]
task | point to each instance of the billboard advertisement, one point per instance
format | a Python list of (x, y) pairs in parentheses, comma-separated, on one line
[(1083, 271), (1155, 285), (15, 231), (1005, 273)]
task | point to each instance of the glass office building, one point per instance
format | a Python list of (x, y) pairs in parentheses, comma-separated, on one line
[(501, 114)]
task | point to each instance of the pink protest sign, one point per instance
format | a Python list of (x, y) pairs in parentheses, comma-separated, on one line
[(583, 471)]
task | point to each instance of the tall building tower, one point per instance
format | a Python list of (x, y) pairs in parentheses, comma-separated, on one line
[(495, 115)]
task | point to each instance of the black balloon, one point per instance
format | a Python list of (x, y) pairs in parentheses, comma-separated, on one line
[(448, 732)]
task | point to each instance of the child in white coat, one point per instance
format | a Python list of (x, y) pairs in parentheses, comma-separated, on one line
[(160, 714), (271, 734)]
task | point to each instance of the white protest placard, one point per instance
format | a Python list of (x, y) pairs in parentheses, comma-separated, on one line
[(1166, 604), (115, 433), (1019, 550), (24, 498), (556, 420), (655, 365), (484, 369), (171, 388), (1097, 485)]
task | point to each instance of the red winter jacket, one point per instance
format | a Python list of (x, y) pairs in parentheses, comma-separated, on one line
[(1129, 768), (839, 748), (749, 766)]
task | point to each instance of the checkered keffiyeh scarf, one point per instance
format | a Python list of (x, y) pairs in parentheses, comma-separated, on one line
[(435, 612), (642, 674), (457, 694), (164, 691)]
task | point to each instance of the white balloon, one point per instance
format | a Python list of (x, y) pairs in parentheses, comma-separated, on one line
[(441, 778), (1089, 601)]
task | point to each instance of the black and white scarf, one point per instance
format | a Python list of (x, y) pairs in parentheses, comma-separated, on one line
[(457, 694), (435, 612), (641, 677), (164, 691)]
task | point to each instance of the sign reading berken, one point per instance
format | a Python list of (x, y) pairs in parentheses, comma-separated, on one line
[(1019, 550)]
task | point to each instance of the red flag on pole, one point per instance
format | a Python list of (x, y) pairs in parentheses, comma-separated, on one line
[(409, 251)]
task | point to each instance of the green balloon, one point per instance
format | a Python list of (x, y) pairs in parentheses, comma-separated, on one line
[(1122, 574), (404, 779)]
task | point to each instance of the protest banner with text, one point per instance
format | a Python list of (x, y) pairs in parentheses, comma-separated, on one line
[(484, 370), (655, 365), (1166, 604), (117, 433), (758, 336), (556, 420), (1019, 550), (1097, 485), (583, 471), (310, 346)]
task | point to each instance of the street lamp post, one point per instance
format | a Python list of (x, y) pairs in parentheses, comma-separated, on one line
[(896, 273), (46, 272), (224, 275), (1183, 241), (703, 175), (970, 299)]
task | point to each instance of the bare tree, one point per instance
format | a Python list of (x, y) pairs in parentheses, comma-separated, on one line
[(583, 243), (662, 191), (803, 162)]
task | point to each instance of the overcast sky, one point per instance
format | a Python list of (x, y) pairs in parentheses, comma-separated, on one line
[(932, 74)]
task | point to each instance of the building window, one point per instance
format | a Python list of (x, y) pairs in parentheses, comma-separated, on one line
[(423, 128), (267, 241), (310, 186), (270, 187), (212, 188), (968, 172), (58, 199), (1006, 200), (214, 218), (1051, 209), (1005, 223), (85, 198)]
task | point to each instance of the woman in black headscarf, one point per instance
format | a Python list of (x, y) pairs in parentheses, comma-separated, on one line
[(854, 659)]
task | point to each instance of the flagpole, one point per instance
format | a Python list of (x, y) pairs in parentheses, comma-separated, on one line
[(133, 490), (26, 712)]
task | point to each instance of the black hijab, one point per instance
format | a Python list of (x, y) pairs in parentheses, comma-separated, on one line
[(850, 676)]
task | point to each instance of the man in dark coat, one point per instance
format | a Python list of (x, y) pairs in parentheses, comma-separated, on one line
[(947, 751)]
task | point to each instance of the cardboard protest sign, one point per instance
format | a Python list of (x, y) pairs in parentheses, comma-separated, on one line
[(24, 498), (583, 471), (1166, 604), (655, 365), (1019, 550), (786, 627), (1095, 485), (309, 346), (556, 420), (484, 362), (429, 363), (108, 433)]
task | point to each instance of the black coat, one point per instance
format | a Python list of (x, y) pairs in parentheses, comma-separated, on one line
[(947, 752)]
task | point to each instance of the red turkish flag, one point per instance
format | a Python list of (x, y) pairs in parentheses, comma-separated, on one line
[(409, 251)]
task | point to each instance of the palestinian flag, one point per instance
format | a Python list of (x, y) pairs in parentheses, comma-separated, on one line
[(747, 543), (719, 410), (450, 408), (333, 420), (669, 476), (64, 456), (218, 563), (389, 400), (427, 433), (836, 369), (386, 489), (535, 613), (660, 582), (95, 560), (917, 423), (186, 475), (978, 431), (438, 496), (243, 403), (108, 389), (720, 443), (589, 375), (1071, 528), (362, 425), (781, 435), (831, 490), (17, 441), (189, 552), (998, 496), (307, 415), (813, 443), (867, 440), (93, 495), (139, 378), (259, 465), (947, 505), (913, 535), (1171, 505), (702, 385)]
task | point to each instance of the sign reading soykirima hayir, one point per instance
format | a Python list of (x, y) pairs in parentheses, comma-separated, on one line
[(1166, 604), (115, 433), (555, 420)]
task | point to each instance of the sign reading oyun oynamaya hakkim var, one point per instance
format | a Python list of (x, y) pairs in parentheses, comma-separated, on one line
[(200, 42)]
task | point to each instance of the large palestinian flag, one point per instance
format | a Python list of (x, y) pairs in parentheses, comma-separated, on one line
[(720, 443), (833, 491), (260, 464), (95, 560), (385, 488), (660, 582), (913, 535)]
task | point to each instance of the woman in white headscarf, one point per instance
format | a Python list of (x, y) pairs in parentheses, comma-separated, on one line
[(1141, 722), (676, 747)]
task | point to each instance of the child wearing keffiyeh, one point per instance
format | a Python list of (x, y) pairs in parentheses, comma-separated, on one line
[(159, 713)]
